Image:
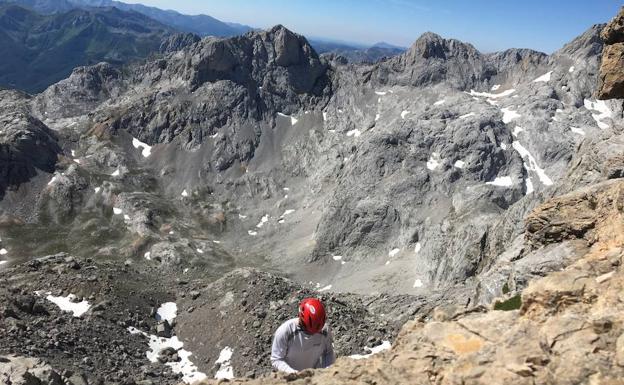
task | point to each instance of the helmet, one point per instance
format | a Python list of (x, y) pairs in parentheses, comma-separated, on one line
[(312, 315)]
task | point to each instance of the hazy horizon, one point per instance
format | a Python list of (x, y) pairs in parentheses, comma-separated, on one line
[(540, 25)]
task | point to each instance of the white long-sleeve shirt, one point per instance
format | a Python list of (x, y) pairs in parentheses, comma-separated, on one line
[(294, 349)]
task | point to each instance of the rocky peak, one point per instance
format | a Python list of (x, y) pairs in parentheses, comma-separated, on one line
[(290, 48), (584, 46), (80, 93), (611, 82), (178, 41), (248, 59), (431, 45), (614, 31)]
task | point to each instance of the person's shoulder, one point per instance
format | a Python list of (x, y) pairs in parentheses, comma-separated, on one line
[(288, 326), (326, 331)]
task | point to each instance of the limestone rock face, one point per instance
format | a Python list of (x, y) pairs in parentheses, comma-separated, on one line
[(611, 73), (27, 146), (611, 83), (28, 371)]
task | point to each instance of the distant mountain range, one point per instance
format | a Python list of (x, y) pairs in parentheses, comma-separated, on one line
[(42, 41), (38, 50), (202, 25), (357, 53)]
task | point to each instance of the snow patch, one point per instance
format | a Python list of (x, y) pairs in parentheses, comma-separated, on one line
[(404, 114), (459, 164), (529, 186), (263, 220), (434, 161), (504, 145), (467, 115), (328, 287), (492, 96), (68, 303), (532, 165), (3, 252), (185, 193), (503, 181), (148, 256), (287, 212), (377, 117), (252, 233), (418, 283), (117, 211), (168, 311), (603, 110), (509, 115), (495, 87), (544, 78), (97, 189), (393, 252), (225, 369), (337, 257), (200, 251), (377, 349), (116, 173), (571, 69), (577, 130), (190, 372), (417, 248), (381, 93), (354, 133), (293, 120), (146, 150), (324, 116), (517, 130), (439, 102)]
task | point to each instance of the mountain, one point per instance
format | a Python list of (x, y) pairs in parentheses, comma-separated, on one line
[(151, 212), (385, 45), (356, 54), (202, 25), (39, 50)]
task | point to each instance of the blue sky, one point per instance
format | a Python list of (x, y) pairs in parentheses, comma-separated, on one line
[(490, 25)]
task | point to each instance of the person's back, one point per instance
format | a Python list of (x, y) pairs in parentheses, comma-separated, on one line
[(305, 342)]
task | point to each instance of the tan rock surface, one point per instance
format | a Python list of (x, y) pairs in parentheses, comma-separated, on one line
[(611, 80)]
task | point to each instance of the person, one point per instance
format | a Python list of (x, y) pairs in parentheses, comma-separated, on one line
[(304, 342)]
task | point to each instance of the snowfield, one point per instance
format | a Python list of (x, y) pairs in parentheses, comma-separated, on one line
[(146, 150)]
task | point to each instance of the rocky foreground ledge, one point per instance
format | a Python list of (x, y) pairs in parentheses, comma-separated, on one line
[(565, 328)]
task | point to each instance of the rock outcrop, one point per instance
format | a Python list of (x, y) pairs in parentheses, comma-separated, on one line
[(27, 371), (27, 146), (611, 74)]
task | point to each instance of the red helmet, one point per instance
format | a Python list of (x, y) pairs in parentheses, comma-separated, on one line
[(312, 315)]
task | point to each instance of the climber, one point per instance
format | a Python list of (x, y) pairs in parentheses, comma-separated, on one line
[(304, 342)]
